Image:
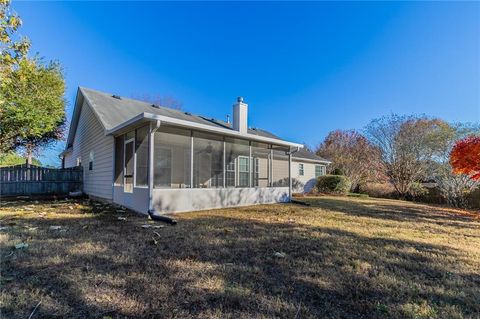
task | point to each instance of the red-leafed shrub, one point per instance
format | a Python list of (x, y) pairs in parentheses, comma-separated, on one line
[(465, 157)]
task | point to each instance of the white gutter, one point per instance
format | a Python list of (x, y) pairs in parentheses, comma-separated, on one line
[(192, 125), (308, 160)]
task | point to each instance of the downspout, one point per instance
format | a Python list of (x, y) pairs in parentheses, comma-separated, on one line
[(290, 172), (151, 210)]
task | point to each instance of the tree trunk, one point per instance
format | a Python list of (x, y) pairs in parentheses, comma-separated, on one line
[(29, 154)]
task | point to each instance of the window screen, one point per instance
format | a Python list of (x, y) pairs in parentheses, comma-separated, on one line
[(207, 160), (237, 155), (141, 149), (280, 166), (119, 160), (261, 164), (171, 164)]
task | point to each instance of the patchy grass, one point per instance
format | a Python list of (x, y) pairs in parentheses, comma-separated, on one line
[(338, 258)]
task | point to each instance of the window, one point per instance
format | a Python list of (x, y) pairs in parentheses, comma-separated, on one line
[(300, 169), (79, 161), (319, 170), (141, 150), (119, 148), (90, 161), (207, 160), (243, 171), (237, 154), (171, 162)]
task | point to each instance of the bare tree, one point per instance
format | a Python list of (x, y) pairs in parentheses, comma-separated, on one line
[(453, 187), (161, 100), (354, 155), (407, 144)]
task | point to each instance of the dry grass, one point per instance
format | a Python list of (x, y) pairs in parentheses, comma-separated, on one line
[(344, 258)]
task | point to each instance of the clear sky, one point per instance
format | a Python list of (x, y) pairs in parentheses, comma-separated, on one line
[(304, 68)]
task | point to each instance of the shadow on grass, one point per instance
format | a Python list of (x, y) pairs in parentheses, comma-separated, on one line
[(220, 266), (394, 211)]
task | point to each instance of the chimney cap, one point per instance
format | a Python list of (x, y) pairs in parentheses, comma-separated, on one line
[(240, 99)]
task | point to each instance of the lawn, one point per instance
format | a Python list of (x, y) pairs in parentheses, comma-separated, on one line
[(338, 258)]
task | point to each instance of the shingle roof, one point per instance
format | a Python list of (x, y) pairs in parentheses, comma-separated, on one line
[(303, 153), (112, 111)]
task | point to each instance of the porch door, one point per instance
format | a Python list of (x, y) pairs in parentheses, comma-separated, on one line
[(129, 165)]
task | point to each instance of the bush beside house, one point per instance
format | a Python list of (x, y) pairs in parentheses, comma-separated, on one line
[(336, 184)]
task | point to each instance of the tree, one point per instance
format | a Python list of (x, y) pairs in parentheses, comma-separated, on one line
[(407, 144), (12, 47), (11, 159), (453, 187), (161, 100), (33, 108), (465, 157), (31, 93), (353, 155)]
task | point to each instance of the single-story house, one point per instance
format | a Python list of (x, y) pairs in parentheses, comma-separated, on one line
[(149, 157)]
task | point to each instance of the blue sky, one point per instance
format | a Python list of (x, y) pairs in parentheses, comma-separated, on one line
[(304, 68)]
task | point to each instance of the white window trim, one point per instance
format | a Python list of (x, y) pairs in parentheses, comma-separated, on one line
[(247, 158)]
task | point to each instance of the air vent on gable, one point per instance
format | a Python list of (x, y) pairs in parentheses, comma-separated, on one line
[(116, 97)]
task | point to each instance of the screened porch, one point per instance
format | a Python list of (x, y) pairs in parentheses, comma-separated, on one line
[(184, 158)]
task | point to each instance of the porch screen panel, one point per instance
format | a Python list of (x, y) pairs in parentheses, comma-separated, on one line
[(141, 147), (119, 160), (171, 158), (207, 160), (237, 162), (280, 166), (260, 165)]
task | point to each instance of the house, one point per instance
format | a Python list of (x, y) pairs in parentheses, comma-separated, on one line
[(146, 157)]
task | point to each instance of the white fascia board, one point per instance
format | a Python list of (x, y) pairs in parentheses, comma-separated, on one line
[(192, 125)]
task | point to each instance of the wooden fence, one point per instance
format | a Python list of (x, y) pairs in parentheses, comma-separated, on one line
[(24, 180)]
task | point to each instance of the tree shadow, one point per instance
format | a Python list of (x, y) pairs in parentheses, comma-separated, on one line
[(401, 211), (215, 265)]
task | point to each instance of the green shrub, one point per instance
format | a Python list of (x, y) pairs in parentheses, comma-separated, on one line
[(333, 184), (337, 171)]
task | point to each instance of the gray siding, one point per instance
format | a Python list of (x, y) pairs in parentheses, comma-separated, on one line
[(90, 137), (308, 179)]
